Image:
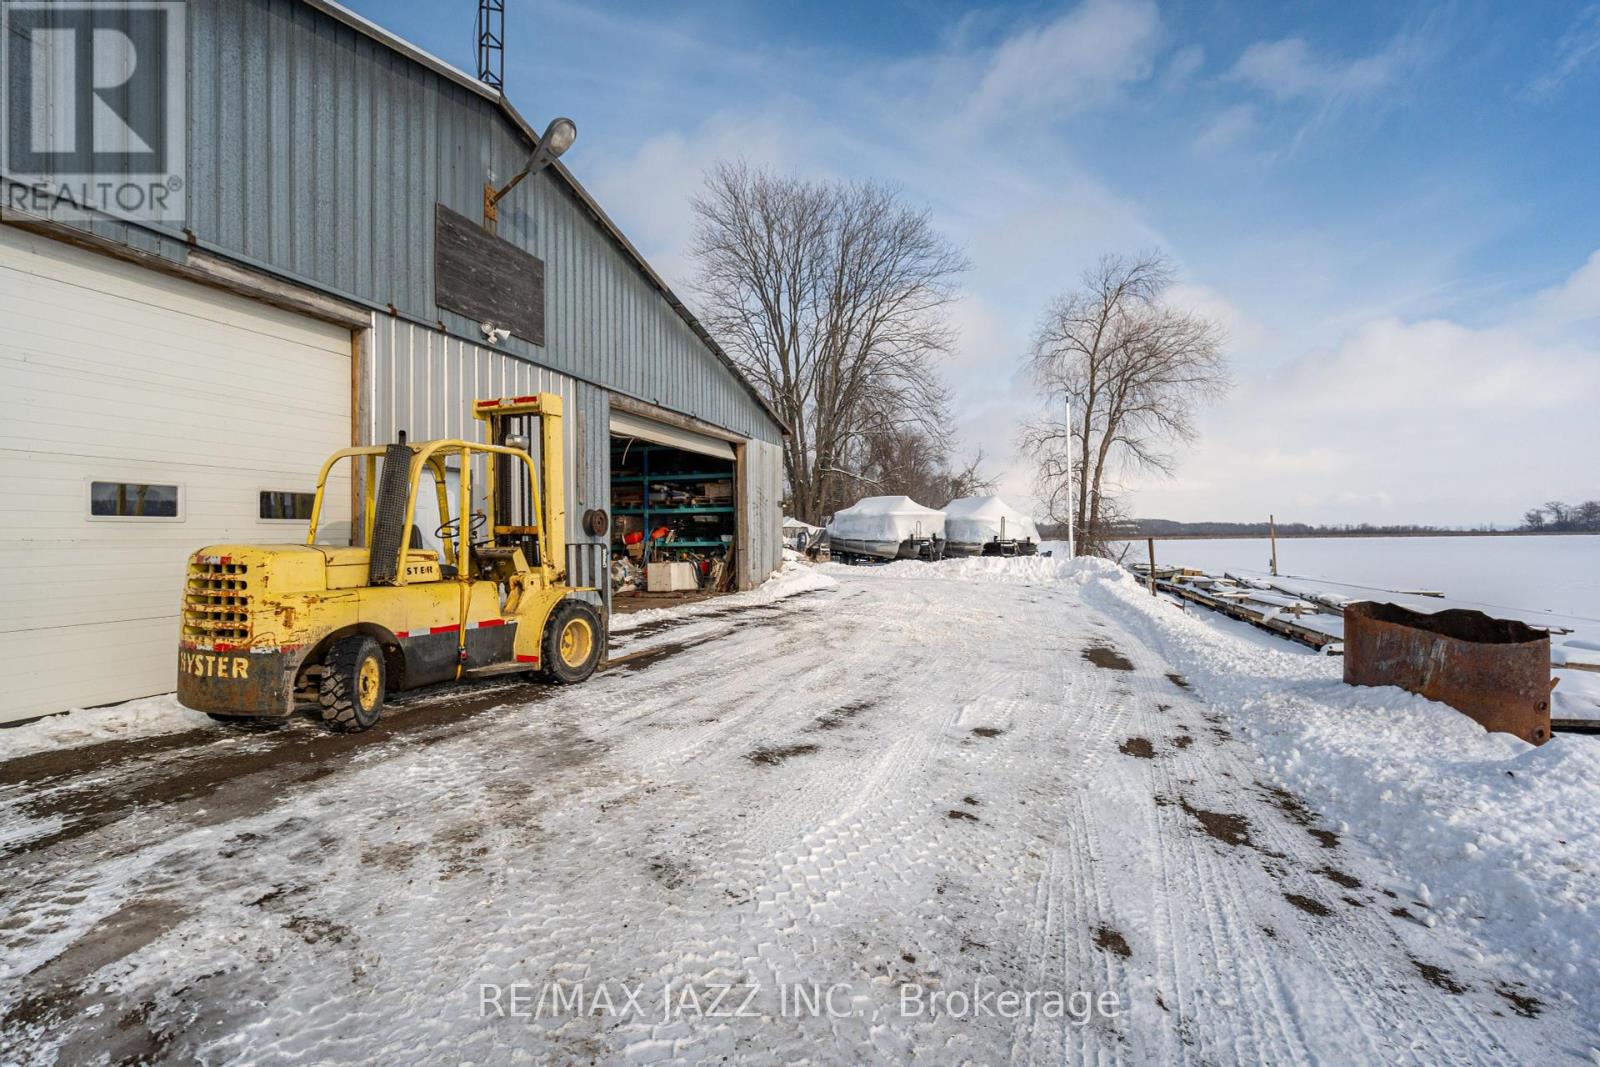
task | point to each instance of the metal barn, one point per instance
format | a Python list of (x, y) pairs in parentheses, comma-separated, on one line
[(168, 384)]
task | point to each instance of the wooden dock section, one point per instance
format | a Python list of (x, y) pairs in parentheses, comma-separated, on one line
[(1258, 603)]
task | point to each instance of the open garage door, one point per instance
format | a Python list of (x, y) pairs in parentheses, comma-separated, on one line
[(142, 417), (674, 512), (660, 433)]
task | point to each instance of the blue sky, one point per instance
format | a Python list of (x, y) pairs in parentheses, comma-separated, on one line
[(1391, 207)]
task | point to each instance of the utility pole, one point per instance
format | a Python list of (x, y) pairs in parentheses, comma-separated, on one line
[(1272, 530), (1072, 511)]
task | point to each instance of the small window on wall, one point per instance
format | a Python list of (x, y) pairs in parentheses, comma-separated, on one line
[(290, 507), (132, 500)]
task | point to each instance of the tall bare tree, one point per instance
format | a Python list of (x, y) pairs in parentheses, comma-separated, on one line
[(831, 296), (1134, 369)]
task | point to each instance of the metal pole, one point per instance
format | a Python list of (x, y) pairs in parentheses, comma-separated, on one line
[(1072, 512), (1272, 529)]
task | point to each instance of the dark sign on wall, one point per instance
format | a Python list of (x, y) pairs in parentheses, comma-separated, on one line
[(485, 278)]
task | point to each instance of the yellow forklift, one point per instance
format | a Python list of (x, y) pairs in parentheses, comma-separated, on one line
[(269, 628)]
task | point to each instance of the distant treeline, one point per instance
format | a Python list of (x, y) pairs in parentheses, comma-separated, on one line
[(1556, 517), (1568, 520)]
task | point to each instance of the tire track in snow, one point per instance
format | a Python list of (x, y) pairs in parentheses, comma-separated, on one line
[(1072, 901), (1195, 880), (1365, 965)]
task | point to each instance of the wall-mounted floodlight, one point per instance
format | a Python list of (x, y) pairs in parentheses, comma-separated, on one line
[(558, 137)]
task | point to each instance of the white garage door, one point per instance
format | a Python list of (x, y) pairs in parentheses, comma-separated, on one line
[(141, 417), (623, 425)]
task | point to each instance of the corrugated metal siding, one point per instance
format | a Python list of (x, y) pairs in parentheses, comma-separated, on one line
[(320, 152), (762, 494), (424, 382)]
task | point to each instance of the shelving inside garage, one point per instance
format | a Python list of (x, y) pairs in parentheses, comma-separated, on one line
[(655, 486)]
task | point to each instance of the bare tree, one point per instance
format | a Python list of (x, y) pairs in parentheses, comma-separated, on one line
[(830, 295), (1557, 516), (910, 462), (1135, 369), (968, 480)]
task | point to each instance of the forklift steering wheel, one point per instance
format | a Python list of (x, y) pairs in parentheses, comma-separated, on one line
[(451, 527)]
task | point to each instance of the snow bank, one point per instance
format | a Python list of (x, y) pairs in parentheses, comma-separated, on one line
[(1502, 834), (1577, 696), (792, 578), (979, 519), (1000, 570), (145, 717), (886, 518)]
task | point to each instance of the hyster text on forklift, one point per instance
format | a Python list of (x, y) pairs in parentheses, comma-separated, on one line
[(267, 628)]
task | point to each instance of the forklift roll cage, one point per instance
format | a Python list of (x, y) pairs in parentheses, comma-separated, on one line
[(546, 497)]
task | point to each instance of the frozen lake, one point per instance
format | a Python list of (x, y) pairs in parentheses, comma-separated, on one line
[(1553, 574), (1551, 581)]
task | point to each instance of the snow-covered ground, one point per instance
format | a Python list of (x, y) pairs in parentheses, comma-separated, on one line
[(864, 823), (792, 579), (1551, 581)]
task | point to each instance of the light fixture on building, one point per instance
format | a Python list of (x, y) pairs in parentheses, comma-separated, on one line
[(558, 137)]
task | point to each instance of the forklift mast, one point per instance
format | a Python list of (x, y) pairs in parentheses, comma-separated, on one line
[(507, 422), (534, 521)]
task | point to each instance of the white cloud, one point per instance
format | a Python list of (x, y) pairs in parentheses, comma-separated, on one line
[(987, 340), (657, 181), (1184, 64), (1576, 299), (1426, 368), (989, 391), (1403, 421), (1244, 334), (1077, 60), (1226, 129), (1287, 69)]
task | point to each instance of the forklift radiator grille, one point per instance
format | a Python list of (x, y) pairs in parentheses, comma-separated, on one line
[(216, 603)]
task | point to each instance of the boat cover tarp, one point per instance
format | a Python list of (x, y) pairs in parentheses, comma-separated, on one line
[(886, 518), (978, 520)]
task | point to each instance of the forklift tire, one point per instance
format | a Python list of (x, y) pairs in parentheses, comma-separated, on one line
[(572, 642), (352, 687)]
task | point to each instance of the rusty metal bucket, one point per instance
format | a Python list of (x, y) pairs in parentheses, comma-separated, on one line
[(1495, 670)]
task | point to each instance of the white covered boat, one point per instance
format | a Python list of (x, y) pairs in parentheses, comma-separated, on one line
[(798, 534), (988, 526), (885, 528)]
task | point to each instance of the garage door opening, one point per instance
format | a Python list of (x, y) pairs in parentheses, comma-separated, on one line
[(674, 526)]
